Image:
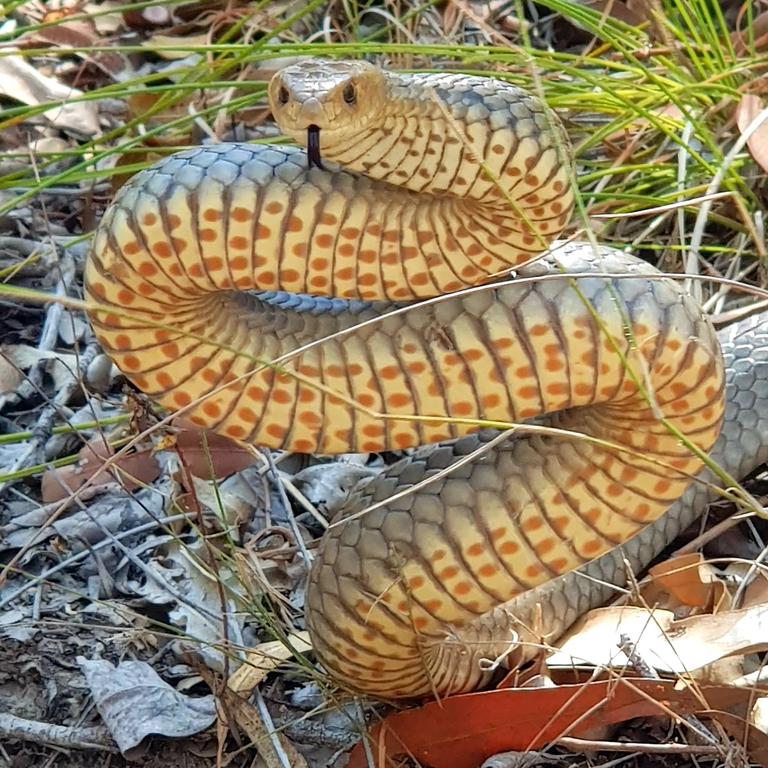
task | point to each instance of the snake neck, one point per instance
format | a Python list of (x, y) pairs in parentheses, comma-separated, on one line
[(498, 149)]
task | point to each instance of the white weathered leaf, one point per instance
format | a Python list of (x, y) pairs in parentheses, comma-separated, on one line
[(21, 81), (61, 366), (135, 702), (667, 645), (759, 715)]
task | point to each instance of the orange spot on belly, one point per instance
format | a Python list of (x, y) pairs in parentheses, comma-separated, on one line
[(276, 430), (181, 399), (662, 487), (403, 440), (557, 388), (212, 410), (509, 548), (398, 400), (593, 546), (164, 380)]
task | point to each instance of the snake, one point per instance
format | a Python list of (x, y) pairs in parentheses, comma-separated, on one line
[(394, 282)]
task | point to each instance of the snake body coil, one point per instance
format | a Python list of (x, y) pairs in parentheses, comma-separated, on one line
[(446, 181)]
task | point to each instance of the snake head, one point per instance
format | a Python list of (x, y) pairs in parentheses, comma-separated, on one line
[(322, 104)]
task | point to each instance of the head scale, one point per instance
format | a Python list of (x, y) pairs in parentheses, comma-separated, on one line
[(335, 99)]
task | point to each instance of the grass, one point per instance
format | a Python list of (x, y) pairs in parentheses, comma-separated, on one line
[(651, 113), (614, 95)]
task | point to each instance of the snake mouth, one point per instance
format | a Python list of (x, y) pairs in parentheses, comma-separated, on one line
[(313, 147)]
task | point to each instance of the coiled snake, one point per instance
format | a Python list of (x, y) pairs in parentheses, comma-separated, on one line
[(423, 185)]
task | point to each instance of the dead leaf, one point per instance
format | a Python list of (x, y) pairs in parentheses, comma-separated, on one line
[(134, 702), (758, 34), (19, 80), (621, 11), (211, 456), (77, 32), (60, 366), (135, 470), (756, 591), (249, 720), (752, 738), (462, 731), (667, 113), (106, 23), (10, 378), (265, 658), (259, 662), (686, 580), (749, 108), (667, 645), (759, 715)]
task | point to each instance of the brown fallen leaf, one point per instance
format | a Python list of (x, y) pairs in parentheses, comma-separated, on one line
[(749, 108), (208, 455), (57, 30), (757, 35), (622, 11), (687, 580), (251, 723), (134, 471)]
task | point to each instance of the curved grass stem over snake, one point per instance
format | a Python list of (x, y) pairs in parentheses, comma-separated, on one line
[(430, 183)]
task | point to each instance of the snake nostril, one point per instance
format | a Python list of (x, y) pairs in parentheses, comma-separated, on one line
[(283, 95)]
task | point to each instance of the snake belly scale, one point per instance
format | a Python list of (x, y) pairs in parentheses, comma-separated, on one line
[(220, 259)]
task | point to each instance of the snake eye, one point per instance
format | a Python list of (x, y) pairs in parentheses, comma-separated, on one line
[(283, 95), (349, 93)]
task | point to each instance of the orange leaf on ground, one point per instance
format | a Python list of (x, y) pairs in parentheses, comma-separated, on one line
[(462, 731)]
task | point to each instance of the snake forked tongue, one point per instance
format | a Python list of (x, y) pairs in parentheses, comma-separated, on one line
[(313, 147)]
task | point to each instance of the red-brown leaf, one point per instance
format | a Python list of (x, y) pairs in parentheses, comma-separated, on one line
[(463, 731), (203, 451)]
